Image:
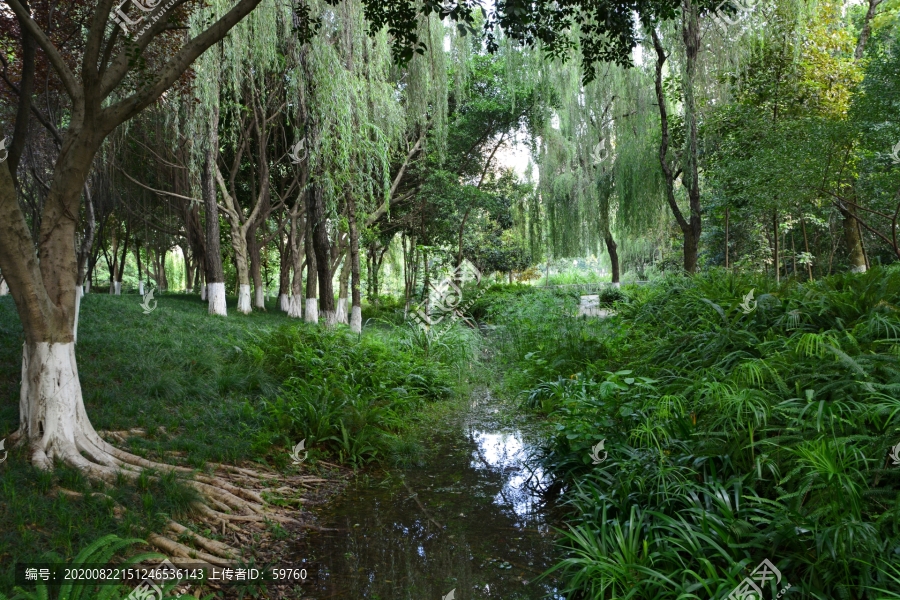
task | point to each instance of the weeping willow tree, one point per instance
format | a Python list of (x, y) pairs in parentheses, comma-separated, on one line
[(624, 147), (347, 110), (598, 178)]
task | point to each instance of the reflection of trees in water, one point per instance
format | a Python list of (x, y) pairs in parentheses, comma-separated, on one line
[(399, 549), (390, 560)]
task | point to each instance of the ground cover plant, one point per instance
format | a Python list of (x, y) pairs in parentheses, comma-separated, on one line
[(737, 430)]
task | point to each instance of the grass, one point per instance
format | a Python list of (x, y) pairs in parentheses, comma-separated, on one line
[(733, 437), (241, 388)]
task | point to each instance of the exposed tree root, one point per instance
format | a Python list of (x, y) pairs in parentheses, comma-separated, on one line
[(173, 548), (118, 509), (217, 548), (232, 499)]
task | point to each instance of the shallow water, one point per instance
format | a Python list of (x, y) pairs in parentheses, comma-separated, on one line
[(467, 520)]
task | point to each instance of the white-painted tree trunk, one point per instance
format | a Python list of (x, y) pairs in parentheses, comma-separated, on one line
[(312, 310), (330, 317), (617, 284), (341, 316), (51, 410), (141, 288), (4, 289), (87, 286), (355, 319), (259, 299), (284, 302), (118, 285), (295, 307), (244, 299), (217, 299), (79, 292), (112, 287), (203, 292)]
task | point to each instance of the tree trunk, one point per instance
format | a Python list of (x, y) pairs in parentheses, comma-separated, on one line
[(613, 257), (311, 314), (296, 240), (793, 256), (853, 242), (775, 235), (691, 177), (52, 419), (690, 229), (342, 315), (239, 245), (215, 274), (284, 272), (355, 299), (726, 236), (84, 255), (188, 269), (321, 247), (253, 250)]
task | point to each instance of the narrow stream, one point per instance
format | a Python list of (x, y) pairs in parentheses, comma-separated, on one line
[(467, 521)]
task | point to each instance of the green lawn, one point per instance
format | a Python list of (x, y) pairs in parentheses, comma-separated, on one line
[(233, 389)]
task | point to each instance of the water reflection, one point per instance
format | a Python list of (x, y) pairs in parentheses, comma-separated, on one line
[(466, 521)]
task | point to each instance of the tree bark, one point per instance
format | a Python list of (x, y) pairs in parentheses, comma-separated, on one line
[(311, 313), (255, 255), (298, 249), (215, 273), (285, 260), (321, 247), (355, 299), (690, 230), (342, 315), (120, 270), (853, 241), (613, 257)]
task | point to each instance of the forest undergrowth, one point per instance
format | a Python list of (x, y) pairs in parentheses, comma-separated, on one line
[(736, 430)]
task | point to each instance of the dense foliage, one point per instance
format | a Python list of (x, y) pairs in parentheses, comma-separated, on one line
[(347, 395), (733, 436)]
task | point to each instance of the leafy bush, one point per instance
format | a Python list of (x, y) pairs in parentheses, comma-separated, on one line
[(733, 435), (345, 394)]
